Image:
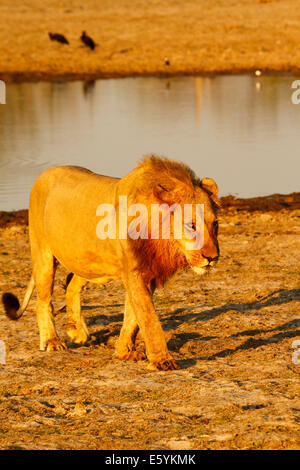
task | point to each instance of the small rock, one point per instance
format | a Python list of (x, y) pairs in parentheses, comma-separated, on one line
[(265, 217), (222, 437), (179, 444)]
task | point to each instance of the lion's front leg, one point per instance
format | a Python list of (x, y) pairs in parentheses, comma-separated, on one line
[(125, 347), (148, 322)]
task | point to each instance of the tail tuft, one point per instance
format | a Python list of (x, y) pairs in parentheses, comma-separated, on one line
[(11, 305)]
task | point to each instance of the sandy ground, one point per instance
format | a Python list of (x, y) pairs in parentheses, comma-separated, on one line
[(232, 333), (135, 36)]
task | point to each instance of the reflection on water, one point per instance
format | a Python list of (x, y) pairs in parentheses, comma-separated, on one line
[(242, 131)]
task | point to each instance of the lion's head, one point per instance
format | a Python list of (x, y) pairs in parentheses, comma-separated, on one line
[(162, 182)]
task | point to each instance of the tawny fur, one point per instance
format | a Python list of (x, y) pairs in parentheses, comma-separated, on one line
[(62, 228)]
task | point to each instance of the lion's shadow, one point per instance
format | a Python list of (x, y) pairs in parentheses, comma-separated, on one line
[(173, 320), (278, 297), (183, 315)]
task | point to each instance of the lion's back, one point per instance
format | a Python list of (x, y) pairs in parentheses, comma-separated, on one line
[(65, 180), (66, 191)]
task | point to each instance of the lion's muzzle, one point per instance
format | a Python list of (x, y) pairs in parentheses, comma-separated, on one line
[(205, 266)]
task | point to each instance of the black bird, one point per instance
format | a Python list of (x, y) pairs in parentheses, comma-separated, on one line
[(58, 37), (87, 40)]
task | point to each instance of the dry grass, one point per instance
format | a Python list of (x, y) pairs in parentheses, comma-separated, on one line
[(135, 36)]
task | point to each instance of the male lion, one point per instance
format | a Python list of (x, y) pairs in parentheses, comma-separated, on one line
[(62, 229)]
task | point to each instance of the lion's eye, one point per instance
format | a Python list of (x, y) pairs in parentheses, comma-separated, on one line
[(191, 226)]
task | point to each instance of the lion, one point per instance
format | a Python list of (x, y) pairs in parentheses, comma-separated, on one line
[(62, 229)]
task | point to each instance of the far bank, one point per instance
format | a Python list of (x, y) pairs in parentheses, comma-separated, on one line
[(148, 38)]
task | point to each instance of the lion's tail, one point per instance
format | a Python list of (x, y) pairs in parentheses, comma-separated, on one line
[(11, 304)]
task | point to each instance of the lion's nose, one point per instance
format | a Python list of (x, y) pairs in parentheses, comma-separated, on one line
[(210, 259)]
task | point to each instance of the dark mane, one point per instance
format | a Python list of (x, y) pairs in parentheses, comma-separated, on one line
[(177, 169), (158, 259), (161, 259)]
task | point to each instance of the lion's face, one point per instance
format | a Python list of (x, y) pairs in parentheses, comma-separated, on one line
[(199, 240), (165, 184), (204, 258), (202, 251)]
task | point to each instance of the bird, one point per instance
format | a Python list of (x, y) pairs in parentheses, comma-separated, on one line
[(58, 37), (87, 40), (167, 62)]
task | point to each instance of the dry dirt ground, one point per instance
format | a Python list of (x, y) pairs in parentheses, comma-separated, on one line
[(232, 332), (135, 36)]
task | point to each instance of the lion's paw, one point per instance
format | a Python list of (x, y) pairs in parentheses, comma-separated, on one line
[(54, 344), (78, 335), (131, 356), (169, 364)]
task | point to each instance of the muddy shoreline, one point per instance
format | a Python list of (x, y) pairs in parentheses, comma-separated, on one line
[(34, 77)]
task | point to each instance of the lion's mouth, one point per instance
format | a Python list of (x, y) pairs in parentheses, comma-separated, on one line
[(200, 270)]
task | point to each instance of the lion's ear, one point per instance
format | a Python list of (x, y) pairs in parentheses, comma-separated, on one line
[(212, 188), (210, 185)]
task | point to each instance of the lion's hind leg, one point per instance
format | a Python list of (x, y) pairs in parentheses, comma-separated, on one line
[(76, 327), (44, 265), (125, 347)]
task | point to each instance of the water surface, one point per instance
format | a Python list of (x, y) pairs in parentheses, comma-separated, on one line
[(243, 131)]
